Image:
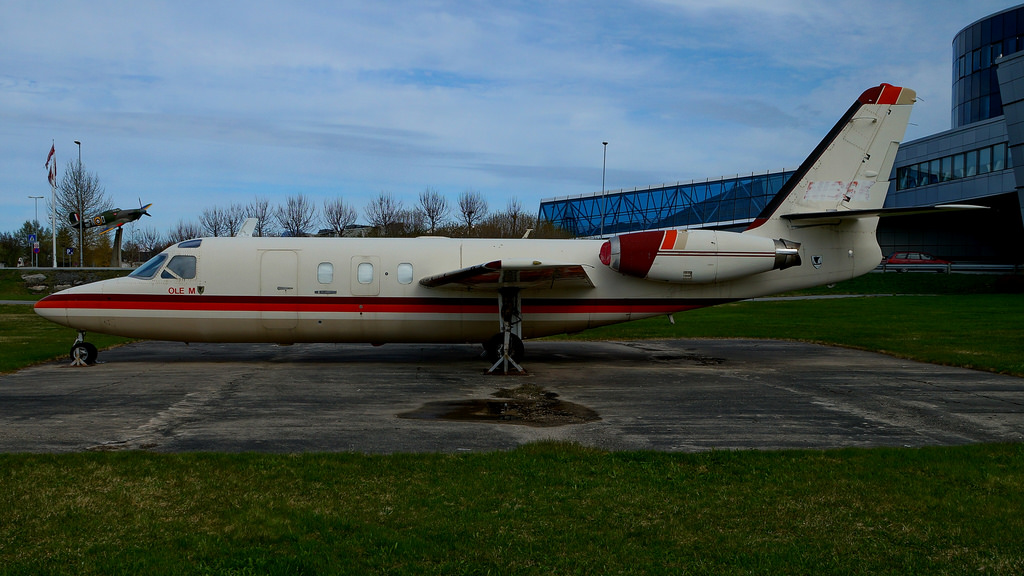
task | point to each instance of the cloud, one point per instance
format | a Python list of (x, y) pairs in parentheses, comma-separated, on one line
[(235, 99)]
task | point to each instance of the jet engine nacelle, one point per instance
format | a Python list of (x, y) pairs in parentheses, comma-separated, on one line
[(697, 256)]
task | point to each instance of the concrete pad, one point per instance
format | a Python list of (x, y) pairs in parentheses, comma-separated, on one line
[(671, 395)]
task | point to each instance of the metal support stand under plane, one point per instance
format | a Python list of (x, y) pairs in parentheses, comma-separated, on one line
[(510, 339)]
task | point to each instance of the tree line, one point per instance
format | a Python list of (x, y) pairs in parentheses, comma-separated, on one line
[(80, 191)]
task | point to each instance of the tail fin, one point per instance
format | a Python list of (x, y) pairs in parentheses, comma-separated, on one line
[(849, 169), (74, 219)]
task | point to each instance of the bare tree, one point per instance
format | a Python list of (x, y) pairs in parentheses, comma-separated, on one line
[(383, 213), (512, 222), (297, 216), (338, 215), (185, 230), (80, 195), (259, 209), (434, 208), (410, 223), (234, 215), (212, 222), (472, 209), (150, 240), (518, 219)]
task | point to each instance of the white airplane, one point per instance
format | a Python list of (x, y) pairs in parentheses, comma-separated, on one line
[(819, 229)]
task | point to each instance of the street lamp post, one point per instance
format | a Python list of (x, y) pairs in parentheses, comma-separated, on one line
[(78, 194), (35, 224), (604, 201)]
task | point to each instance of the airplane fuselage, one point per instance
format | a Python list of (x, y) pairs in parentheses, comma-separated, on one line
[(819, 228), (367, 290)]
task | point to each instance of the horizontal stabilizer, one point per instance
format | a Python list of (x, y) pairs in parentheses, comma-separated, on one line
[(524, 274), (836, 216)]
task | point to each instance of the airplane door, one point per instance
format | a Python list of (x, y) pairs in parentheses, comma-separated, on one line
[(279, 275)]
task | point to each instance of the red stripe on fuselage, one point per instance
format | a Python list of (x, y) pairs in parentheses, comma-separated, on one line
[(115, 302)]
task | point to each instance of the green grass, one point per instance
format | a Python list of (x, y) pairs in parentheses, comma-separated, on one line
[(925, 283), (983, 331), (555, 508), (540, 509), (26, 338)]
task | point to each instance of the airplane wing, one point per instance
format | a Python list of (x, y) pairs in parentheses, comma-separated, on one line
[(524, 274), (835, 216), (111, 227)]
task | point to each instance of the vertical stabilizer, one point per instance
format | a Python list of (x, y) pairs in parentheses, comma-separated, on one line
[(849, 169)]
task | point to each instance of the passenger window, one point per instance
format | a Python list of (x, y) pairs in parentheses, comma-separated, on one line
[(325, 273), (405, 273), (364, 273), (183, 267)]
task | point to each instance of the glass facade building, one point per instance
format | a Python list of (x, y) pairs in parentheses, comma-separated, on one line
[(975, 51), (721, 203)]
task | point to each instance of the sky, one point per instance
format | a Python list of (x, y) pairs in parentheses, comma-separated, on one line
[(192, 105)]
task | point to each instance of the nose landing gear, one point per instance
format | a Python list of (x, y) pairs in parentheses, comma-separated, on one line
[(83, 353)]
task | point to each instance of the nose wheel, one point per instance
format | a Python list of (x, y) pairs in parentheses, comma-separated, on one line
[(83, 353)]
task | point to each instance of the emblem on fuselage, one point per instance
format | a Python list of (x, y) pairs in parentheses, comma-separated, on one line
[(815, 260)]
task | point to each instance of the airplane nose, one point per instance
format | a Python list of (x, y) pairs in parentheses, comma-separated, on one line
[(52, 310)]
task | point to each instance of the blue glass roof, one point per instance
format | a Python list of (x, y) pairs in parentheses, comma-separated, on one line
[(721, 203)]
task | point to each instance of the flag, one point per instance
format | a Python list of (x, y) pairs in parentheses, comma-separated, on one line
[(51, 167)]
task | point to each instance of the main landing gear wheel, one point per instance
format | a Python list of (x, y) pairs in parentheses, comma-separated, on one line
[(494, 348), (83, 354)]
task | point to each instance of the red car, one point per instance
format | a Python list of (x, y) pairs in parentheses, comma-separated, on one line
[(904, 261)]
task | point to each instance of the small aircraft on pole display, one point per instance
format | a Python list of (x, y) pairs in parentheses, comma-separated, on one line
[(819, 229), (110, 219)]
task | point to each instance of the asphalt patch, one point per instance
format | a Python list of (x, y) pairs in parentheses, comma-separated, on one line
[(526, 405)]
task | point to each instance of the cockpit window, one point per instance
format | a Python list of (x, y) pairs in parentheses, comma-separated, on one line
[(181, 266), (191, 243), (148, 270)]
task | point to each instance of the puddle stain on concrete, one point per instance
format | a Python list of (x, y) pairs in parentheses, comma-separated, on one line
[(526, 405)]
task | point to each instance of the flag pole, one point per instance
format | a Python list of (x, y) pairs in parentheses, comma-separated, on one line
[(53, 204)]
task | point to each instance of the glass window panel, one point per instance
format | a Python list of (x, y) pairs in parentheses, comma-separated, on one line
[(183, 266), (971, 163), (958, 166), (364, 273), (999, 157), (405, 273), (148, 270), (924, 177), (901, 178), (934, 170), (325, 273), (946, 172), (985, 160)]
